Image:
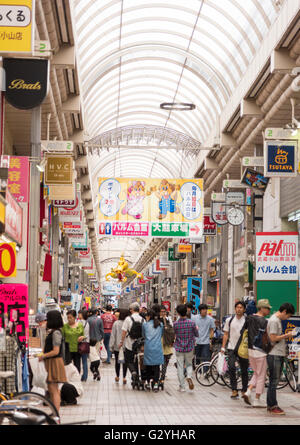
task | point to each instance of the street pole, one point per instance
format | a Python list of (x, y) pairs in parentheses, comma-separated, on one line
[(34, 210), (55, 252), (224, 273)]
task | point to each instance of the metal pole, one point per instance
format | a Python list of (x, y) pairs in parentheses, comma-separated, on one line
[(224, 273), (55, 251), (34, 210)]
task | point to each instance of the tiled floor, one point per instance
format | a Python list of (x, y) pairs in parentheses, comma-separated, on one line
[(110, 403)]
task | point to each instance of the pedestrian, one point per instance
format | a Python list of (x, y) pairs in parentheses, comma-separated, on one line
[(131, 331), (257, 325), (108, 320), (83, 319), (143, 312), (232, 334), (73, 333), (94, 358), (152, 332), (190, 308), (96, 337), (115, 339), (53, 357), (167, 342), (186, 333), (276, 356), (206, 327), (41, 320)]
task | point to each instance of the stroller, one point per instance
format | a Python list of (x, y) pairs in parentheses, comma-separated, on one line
[(138, 350)]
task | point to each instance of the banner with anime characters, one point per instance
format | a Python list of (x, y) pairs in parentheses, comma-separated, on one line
[(171, 208)]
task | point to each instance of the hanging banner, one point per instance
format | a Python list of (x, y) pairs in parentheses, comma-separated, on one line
[(17, 26), (150, 207), (18, 176), (210, 227), (218, 212), (194, 288), (255, 179), (71, 214), (13, 219), (14, 303), (26, 82), (281, 159), (79, 242), (277, 256)]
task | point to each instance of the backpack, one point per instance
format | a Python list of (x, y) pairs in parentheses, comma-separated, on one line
[(168, 335), (262, 341), (135, 331)]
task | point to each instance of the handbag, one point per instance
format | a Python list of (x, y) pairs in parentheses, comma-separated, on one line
[(243, 347), (222, 366), (121, 356), (83, 347)]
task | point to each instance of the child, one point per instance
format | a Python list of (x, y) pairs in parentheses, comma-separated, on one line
[(95, 363)]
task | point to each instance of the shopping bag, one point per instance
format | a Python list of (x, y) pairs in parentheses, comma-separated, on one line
[(103, 352), (243, 348), (39, 373), (221, 364), (121, 356)]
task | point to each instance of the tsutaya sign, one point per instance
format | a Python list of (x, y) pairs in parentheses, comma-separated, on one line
[(150, 207), (277, 256)]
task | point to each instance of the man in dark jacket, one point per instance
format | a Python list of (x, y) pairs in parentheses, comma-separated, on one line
[(96, 329)]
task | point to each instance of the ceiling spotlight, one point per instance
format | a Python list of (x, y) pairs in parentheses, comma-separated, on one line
[(178, 106)]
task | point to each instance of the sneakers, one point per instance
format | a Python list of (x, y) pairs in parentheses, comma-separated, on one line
[(257, 403), (276, 410), (247, 397), (180, 389), (234, 394), (155, 387), (190, 383)]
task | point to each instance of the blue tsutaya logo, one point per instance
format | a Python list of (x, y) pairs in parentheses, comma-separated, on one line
[(281, 158)]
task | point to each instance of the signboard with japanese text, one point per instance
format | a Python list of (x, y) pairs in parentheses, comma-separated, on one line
[(13, 218), (218, 212), (17, 26), (18, 176), (71, 214), (150, 207), (79, 242), (281, 159), (210, 227), (277, 256), (8, 260), (111, 288), (14, 303)]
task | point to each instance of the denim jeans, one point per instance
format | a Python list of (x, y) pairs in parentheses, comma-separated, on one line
[(184, 358), (202, 353), (244, 364), (106, 344), (84, 359), (275, 364)]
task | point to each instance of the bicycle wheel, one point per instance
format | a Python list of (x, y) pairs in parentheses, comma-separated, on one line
[(36, 402), (203, 374), (290, 376), (226, 377)]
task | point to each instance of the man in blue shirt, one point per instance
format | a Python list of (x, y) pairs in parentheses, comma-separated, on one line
[(206, 327)]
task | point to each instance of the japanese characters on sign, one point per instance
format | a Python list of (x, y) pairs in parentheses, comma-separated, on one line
[(14, 303), (150, 207), (194, 288), (16, 27), (18, 176), (210, 227), (13, 218), (277, 256)]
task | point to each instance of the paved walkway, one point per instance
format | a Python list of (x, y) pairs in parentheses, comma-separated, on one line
[(110, 403)]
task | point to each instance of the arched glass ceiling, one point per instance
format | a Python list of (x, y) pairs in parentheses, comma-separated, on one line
[(135, 54)]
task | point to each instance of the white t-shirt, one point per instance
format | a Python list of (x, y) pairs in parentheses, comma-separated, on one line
[(127, 326), (234, 330)]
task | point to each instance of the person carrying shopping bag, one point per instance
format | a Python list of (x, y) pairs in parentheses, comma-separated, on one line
[(114, 342)]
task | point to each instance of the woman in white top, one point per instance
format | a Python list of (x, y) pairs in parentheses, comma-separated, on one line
[(114, 342), (82, 318)]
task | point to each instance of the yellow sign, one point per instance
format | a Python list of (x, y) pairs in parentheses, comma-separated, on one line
[(17, 26), (8, 260), (2, 213), (184, 248), (59, 170)]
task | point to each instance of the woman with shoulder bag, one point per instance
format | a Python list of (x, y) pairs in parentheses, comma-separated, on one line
[(114, 342), (168, 339), (257, 350), (73, 333), (84, 346), (53, 357)]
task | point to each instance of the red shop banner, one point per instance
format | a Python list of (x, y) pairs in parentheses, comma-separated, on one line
[(13, 219), (18, 176)]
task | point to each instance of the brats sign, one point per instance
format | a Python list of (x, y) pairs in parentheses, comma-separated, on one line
[(26, 82), (277, 256)]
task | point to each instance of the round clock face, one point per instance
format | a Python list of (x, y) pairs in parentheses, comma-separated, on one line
[(235, 216)]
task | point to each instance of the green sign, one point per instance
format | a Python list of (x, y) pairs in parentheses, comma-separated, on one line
[(171, 254), (170, 230)]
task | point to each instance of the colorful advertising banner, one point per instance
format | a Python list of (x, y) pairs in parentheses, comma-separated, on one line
[(71, 214), (8, 260), (14, 303), (277, 256), (13, 218), (150, 207), (17, 26)]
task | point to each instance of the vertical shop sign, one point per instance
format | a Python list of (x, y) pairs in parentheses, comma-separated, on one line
[(281, 159), (18, 176), (14, 305), (8, 260), (17, 26), (13, 219), (194, 288)]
